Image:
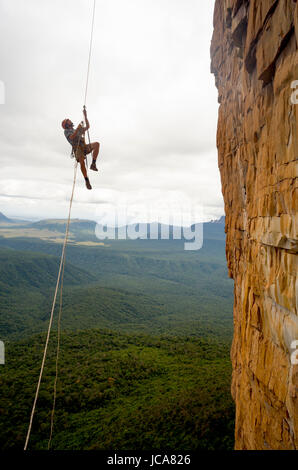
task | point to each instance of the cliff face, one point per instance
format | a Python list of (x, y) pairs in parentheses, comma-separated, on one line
[(255, 62)]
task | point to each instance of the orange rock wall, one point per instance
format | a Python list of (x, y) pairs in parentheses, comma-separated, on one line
[(255, 62)]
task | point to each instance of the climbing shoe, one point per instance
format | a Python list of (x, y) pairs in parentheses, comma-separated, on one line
[(88, 185), (93, 166)]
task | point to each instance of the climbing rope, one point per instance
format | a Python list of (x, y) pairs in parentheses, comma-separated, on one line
[(90, 51), (52, 311), (59, 334), (60, 276), (89, 62)]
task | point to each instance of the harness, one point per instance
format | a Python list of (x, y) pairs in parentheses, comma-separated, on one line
[(79, 144)]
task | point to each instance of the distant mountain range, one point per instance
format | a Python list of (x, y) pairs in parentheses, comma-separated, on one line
[(87, 230), (220, 221), (5, 219), (79, 222)]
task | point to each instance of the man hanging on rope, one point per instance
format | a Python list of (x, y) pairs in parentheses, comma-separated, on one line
[(76, 137)]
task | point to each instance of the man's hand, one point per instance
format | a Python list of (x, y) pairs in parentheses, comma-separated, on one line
[(77, 132), (86, 119)]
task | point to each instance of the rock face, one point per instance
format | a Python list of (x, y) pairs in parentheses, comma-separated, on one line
[(255, 63)]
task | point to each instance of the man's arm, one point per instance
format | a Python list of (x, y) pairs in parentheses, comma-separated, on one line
[(86, 119), (76, 132)]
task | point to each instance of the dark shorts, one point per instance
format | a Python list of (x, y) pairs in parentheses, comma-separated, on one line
[(82, 151)]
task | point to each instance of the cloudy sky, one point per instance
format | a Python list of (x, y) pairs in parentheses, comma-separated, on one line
[(151, 101)]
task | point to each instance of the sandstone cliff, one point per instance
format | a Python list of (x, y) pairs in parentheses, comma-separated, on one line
[(255, 62)]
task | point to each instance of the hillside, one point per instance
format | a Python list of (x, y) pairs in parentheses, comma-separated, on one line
[(123, 392), (146, 331), (167, 289), (27, 282), (36, 270)]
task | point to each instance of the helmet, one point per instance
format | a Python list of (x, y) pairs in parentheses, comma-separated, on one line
[(64, 123)]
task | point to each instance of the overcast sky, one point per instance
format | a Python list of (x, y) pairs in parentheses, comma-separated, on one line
[(152, 104)]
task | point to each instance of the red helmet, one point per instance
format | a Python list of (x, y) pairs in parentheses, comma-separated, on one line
[(64, 123)]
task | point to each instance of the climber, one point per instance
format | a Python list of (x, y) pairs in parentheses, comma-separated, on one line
[(76, 137)]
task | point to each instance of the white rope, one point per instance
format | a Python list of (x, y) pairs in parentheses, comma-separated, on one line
[(57, 357), (52, 312), (59, 322), (61, 270), (90, 51), (88, 68)]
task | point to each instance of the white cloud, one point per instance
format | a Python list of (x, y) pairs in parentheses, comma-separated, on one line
[(152, 102)]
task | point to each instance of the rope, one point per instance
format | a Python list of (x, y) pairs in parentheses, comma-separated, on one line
[(52, 312), (58, 345), (89, 62), (89, 140), (90, 51), (61, 271)]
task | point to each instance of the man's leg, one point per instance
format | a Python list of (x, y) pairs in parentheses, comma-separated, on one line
[(95, 150), (84, 172), (83, 166), (94, 147)]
